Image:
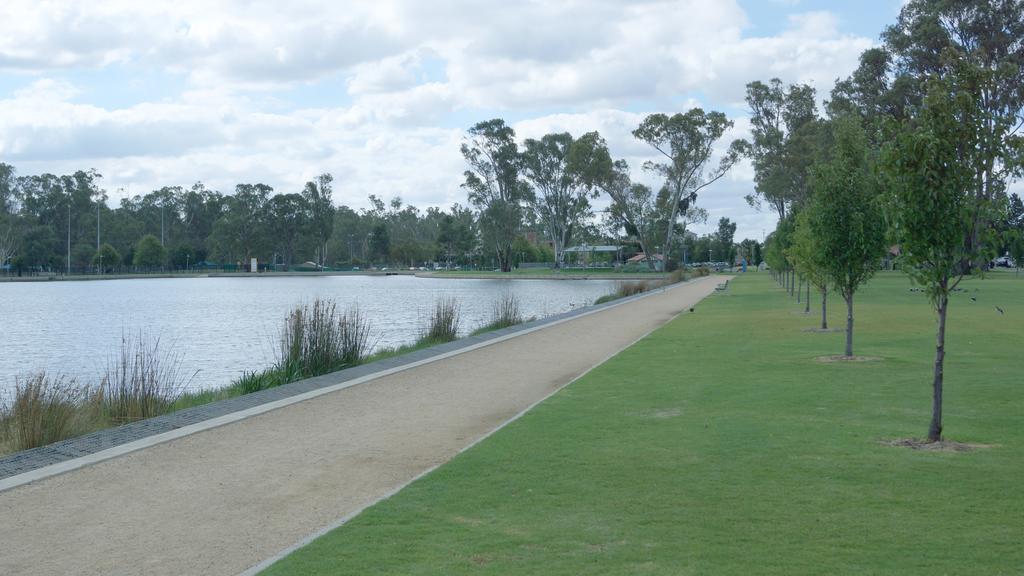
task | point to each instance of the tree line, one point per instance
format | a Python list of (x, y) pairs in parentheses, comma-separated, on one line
[(911, 162), (526, 201)]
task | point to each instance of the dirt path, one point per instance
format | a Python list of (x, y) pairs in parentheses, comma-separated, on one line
[(223, 500)]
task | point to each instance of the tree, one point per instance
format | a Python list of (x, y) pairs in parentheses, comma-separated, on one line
[(318, 196), (633, 207), (380, 242), (935, 202), (149, 253), (687, 143), (81, 255), (844, 217), (809, 259), (563, 171), (782, 124), (455, 233), (7, 244), (942, 38), (106, 259), (494, 186), (724, 250), (288, 215)]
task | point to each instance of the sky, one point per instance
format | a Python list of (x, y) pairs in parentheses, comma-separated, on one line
[(380, 93)]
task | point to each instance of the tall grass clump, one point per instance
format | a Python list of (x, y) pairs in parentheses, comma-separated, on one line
[(317, 340), (443, 323), (505, 312), (624, 289), (42, 410), (142, 380)]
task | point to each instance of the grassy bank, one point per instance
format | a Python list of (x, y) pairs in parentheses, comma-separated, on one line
[(719, 445)]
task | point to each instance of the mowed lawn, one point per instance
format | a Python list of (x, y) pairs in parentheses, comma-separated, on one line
[(718, 445)]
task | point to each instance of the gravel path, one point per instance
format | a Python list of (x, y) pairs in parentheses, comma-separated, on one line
[(223, 500)]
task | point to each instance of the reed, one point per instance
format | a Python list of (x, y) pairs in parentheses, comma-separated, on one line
[(43, 410), (142, 380), (443, 323)]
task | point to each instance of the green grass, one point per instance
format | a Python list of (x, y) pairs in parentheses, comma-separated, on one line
[(719, 446)]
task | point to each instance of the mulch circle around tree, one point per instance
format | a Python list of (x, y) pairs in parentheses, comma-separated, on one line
[(940, 446)]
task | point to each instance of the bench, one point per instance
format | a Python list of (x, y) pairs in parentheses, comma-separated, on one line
[(722, 287)]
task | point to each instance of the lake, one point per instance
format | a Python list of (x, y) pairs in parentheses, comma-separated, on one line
[(223, 327)]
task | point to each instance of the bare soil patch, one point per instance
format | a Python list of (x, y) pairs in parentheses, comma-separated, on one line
[(841, 358), (940, 446)]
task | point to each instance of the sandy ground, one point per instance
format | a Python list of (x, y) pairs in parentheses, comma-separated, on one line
[(220, 501)]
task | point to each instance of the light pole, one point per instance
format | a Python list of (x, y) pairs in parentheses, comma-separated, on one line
[(68, 264)]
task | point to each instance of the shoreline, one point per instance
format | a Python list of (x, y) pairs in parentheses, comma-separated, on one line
[(419, 274)]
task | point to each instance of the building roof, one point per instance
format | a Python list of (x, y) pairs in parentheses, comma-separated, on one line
[(641, 257)]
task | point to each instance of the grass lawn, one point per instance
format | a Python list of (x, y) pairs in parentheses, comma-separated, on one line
[(719, 446)]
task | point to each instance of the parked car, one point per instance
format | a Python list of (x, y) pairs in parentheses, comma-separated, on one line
[(1003, 262)]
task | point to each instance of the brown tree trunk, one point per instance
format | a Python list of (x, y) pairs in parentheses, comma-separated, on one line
[(824, 310), (849, 325), (799, 289), (935, 428)]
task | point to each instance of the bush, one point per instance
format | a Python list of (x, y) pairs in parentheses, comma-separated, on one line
[(444, 322), (142, 381)]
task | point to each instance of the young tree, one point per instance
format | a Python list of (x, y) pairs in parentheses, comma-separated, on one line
[(494, 186), (149, 254), (562, 171), (107, 258), (808, 258), (687, 143), (844, 216), (936, 204)]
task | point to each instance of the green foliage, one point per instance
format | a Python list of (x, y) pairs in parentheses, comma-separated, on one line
[(686, 141), (844, 220), (934, 204), (106, 259), (494, 186), (149, 253)]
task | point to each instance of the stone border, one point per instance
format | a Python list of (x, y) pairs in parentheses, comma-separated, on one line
[(38, 463)]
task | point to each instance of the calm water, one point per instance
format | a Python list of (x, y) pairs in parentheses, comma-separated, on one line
[(224, 326)]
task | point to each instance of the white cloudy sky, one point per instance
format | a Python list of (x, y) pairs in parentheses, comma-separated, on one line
[(379, 93)]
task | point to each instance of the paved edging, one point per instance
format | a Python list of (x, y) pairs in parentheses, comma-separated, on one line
[(39, 463)]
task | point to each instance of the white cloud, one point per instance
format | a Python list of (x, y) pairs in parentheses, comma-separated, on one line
[(406, 67)]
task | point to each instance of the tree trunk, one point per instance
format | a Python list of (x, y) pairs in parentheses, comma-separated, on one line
[(807, 300), (800, 289), (824, 309), (935, 428), (849, 325)]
